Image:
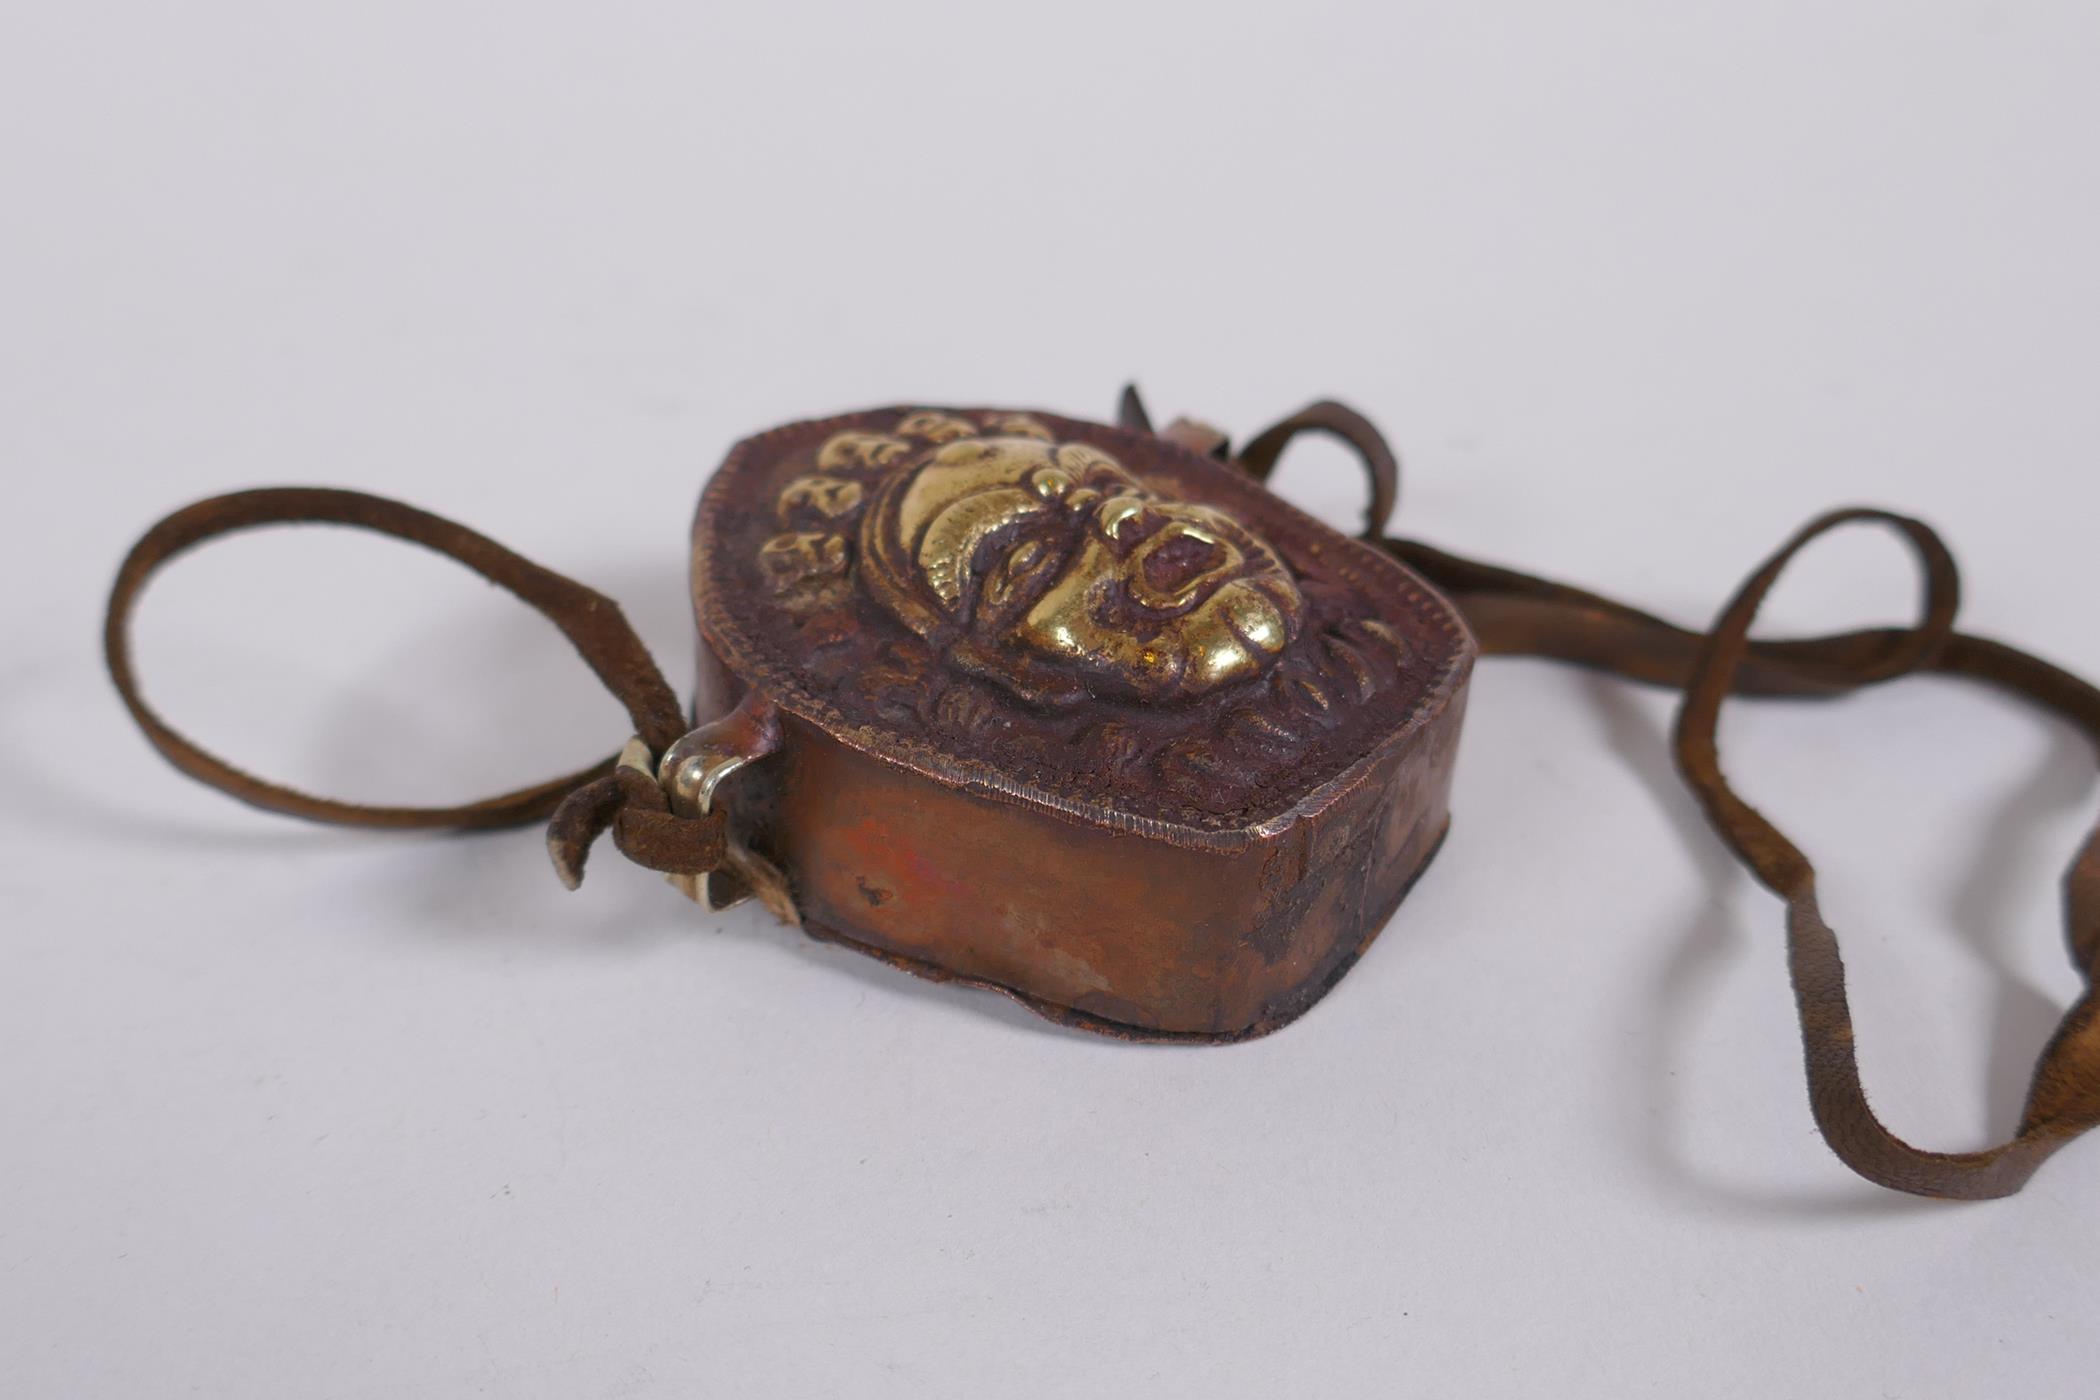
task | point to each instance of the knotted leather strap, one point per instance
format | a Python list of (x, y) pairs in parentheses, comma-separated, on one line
[(583, 804), (1517, 614)]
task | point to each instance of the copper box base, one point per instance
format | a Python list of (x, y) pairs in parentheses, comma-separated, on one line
[(1138, 937)]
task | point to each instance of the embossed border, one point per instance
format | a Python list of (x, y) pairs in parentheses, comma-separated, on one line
[(759, 664)]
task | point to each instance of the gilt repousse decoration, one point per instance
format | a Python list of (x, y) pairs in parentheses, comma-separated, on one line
[(1044, 566), (985, 579)]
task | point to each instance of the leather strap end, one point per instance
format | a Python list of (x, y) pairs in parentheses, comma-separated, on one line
[(578, 822), (631, 805)]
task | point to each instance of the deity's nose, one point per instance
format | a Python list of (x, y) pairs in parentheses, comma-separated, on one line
[(1173, 564), (1180, 559)]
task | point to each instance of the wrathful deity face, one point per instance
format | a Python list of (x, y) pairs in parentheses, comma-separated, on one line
[(1047, 566)]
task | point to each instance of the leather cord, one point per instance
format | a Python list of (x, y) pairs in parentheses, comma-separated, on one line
[(1517, 614), (582, 804), (1329, 419)]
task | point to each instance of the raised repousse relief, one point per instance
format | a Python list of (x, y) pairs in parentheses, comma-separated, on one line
[(1044, 566), (978, 576)]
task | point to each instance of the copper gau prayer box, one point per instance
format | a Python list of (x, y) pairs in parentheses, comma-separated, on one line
[(1064, 710), (1087, 716)]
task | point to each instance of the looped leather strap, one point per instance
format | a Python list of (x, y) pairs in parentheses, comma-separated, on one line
[(1258, 458), (596, 797), (1517, 614), (2064, 1099)]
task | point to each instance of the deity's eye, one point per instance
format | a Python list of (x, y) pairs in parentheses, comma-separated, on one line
[(1021, 565), (1094, 467), (1117, 513)]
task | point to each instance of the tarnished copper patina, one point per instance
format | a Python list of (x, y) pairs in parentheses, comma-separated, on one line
[(1072, 712)]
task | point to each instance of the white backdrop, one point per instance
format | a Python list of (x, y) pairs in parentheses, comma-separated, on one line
[(1637, 288)]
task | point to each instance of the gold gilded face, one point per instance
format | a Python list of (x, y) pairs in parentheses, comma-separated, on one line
[(1055, 571)]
